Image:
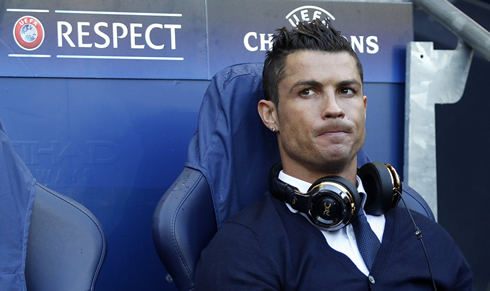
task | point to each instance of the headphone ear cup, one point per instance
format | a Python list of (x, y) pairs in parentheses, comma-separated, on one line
[(356, 197), (334, 202), (378, 183)]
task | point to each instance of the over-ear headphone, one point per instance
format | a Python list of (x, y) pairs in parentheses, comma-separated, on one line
[(331, 202)]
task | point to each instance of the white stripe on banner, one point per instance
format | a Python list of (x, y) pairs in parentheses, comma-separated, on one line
[(27, 10), (28, 56), (120, 57), (119, 13)]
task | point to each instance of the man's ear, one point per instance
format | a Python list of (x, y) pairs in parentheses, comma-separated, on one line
[(268, 114)]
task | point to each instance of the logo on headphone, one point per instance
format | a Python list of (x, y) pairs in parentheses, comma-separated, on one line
[(326, 212), (28, 33)]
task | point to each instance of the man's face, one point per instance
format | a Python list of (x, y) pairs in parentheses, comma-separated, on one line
[(321, 114)]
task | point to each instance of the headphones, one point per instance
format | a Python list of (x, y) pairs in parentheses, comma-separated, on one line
[(331, 202)]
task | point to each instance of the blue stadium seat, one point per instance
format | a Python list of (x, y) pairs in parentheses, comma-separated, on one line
[(66, 246), (48, 241)]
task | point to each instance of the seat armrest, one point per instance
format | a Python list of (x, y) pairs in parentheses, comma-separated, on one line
[(183, 227)]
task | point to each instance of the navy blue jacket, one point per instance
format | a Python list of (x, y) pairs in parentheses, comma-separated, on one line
[(267, 247)]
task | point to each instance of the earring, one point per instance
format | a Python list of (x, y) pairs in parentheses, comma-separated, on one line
[(273, 129)]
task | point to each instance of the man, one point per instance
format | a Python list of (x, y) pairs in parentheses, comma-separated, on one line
[(313, 85)]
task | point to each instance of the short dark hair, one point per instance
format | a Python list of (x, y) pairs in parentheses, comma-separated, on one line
[(316, 36)]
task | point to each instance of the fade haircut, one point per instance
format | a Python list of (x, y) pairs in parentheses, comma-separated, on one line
[(315, 36)]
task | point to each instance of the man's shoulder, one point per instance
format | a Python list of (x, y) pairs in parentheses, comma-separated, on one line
[(259, 216), (254, 229), (433, 232)]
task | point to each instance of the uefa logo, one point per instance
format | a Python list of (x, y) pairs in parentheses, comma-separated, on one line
[(308, 13), (28, 33)]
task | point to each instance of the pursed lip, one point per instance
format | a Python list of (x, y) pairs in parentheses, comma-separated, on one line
[(332, 136), (334, 131)]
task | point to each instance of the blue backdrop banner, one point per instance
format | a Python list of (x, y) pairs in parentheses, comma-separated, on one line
[(190, 39)]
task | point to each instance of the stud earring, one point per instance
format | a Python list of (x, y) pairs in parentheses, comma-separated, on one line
[(273, 129)]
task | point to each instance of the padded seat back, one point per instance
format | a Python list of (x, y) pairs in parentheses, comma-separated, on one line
[(66, 246)]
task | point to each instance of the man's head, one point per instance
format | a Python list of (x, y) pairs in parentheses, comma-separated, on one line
[(315, 36), (320, 110)]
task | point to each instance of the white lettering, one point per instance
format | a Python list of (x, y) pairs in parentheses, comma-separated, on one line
[(81, 33), (66, 34), (148, 38), (264, 41), (134, 35), (294, 22), (317, 14), (246, 41), (172, 28), (357, 44), (115, 36), (304, 15), (372, 44), (101, 34)]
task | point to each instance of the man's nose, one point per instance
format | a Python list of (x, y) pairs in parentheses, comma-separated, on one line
[(331, 107)]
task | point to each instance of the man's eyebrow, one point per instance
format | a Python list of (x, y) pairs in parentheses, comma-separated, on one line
[(316, 84), (306, 83), (349, 82)]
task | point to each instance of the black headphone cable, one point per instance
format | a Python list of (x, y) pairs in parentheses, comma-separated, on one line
[(418, 234)]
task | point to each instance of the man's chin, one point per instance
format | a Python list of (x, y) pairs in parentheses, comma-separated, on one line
[(335, 162)]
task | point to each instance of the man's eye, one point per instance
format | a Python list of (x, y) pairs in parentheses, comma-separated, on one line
[(307, 92), (347, 91)]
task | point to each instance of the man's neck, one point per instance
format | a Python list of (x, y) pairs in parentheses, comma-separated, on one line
[(348, 172)]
